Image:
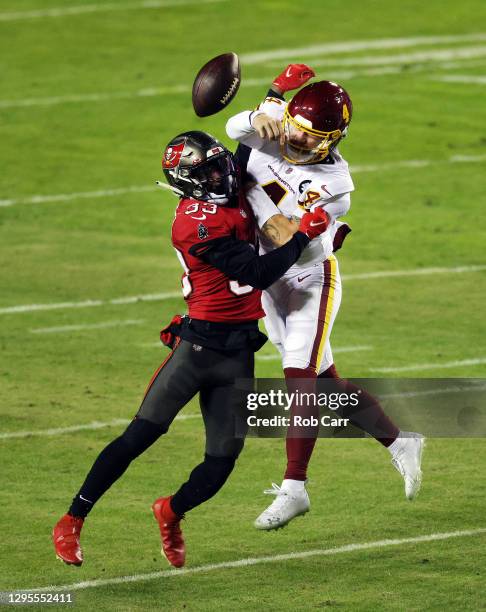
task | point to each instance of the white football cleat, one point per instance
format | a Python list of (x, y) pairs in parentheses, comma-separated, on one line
[(291, 500), (406, 457)]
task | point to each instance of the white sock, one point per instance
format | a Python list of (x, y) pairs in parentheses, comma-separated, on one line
[(294, 486)]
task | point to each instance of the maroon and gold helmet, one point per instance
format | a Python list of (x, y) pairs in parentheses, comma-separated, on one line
[(321, 110)]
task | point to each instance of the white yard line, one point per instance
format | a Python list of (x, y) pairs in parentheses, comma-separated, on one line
[(461, 78), (149, 92), (160, 297), (429, 392), (416, 367), (70, 328), (306, 554), (133, 299), (78, 195), (341, 349), (9, 435), (412, 272), (436, 55), (350, 46), (357, 169), (415, 163), (98, 8)]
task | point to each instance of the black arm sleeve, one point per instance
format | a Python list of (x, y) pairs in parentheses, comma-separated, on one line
[(238, 260)]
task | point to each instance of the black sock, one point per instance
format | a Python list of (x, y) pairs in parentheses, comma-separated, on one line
[(112, 462), (205, 481)]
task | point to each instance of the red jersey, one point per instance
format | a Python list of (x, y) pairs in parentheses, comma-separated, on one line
[(209, 293)]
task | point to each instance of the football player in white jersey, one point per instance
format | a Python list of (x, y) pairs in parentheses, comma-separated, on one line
[(290, 155)]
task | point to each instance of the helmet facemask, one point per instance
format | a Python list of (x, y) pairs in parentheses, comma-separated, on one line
[(298, 154), (214, 180), (197, 166)]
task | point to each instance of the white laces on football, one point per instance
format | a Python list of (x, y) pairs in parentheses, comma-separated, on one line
[(275, 490)]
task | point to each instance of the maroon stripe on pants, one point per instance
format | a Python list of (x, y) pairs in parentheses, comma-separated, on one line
[(322, 314)]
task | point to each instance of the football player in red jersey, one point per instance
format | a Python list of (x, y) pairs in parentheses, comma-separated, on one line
[(214, 236)]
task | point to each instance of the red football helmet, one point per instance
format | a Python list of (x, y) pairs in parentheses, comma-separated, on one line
[(314, 122)]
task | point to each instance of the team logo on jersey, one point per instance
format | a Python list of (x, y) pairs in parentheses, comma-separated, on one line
[(172, 156), (303, 185), (310, 195), (243, 213), (310, 198), (202, 232)]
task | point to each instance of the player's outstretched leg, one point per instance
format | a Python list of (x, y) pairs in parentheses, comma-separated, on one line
[(291, 498), (406, 448), (110, 464)]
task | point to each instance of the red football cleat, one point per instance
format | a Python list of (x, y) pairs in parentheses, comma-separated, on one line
[(173, 546), (65, 536)]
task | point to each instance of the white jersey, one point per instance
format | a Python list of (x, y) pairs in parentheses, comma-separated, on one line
[(280, 183)]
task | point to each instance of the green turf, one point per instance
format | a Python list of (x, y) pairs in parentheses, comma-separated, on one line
[(104, 248)]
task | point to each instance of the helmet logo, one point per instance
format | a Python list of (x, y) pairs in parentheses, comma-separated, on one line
[(345, 113), (172, 156)]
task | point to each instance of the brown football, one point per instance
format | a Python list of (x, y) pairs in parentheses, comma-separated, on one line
[(216, 84)]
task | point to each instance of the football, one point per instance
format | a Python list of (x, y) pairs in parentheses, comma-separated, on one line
[(216, 84)]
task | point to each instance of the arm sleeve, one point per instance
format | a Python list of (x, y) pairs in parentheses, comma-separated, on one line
[(240, 128), (262, 206), (238, 260), (338, 206)]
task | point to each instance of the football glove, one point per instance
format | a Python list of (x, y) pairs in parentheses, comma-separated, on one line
[(293, 77), (314, 223)]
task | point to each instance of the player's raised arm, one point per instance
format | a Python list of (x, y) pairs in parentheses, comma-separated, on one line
[(254, 128)]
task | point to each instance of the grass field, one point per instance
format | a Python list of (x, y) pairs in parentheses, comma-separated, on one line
[(90, 94)]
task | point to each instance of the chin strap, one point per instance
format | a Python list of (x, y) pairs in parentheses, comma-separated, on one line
[(214, 198), (177, 192)]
